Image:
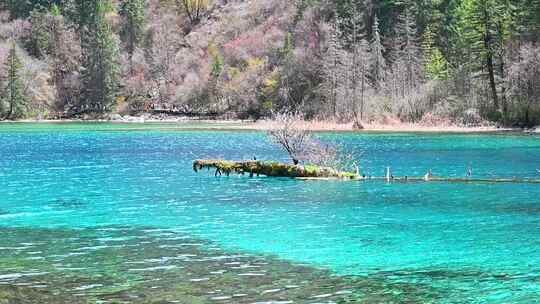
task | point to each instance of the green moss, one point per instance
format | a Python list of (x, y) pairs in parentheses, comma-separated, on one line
[(271, 169), (312, 169), (350, 175)]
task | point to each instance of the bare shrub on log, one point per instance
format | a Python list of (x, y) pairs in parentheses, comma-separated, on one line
[(289, 132), (321, 154)]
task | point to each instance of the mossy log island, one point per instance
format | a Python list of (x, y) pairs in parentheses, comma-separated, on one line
[(276, 169), (273, 169)]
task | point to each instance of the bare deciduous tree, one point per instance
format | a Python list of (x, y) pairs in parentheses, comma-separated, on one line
[(288, 134), (524, 80)]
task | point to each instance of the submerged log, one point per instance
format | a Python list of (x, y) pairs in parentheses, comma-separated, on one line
[(462, 180), (273, 169)]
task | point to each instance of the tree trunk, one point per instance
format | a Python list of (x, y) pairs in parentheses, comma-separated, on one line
[(504, 102), (489, 60), (492, 84), (362, 94)]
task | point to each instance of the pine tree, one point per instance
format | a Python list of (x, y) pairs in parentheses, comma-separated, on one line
[(39, 41), (529, 19), (352, 15), (408, 51), (14, 95), (218, 61), (378, 63), (333, 69), (288, 47), (79, 11), (83, 14), (484, 27), (133, 25), (23, 8), (287, 59), (100, 73), (359, 79), (356, 64), (217, 67), (436, 63)]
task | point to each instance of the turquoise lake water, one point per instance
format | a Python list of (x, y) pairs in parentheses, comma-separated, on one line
[(96, 211)]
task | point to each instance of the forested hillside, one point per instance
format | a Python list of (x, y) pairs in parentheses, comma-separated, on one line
[(425, 61)]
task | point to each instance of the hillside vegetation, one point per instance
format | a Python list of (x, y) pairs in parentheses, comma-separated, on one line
[(425, 61)]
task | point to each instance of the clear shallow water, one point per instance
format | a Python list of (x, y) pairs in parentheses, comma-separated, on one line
[(73, 197)]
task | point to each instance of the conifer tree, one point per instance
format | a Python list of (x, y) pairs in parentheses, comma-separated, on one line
[(378, 63), (79, 13), (436, 64), (484, 27), (359, 79), (356, 64), (39, 42), (217, 67), (333, 68), (100, 71), (133, 25), (408, 52), (13, 95), (287, 59), (352, 15)]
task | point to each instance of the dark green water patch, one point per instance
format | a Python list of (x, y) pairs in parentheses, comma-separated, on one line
[(466, 281), (532, 209), (17, 294), (125, 265), (69, 203)]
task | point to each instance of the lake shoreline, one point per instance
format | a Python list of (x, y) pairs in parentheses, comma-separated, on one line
[(315, 126)]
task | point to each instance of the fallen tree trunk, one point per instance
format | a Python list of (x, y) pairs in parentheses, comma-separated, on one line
[(274, 169)]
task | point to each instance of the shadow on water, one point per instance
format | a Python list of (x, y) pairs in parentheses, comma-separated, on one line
[(526, 209), (69, 203), (468, 284), (125, 265), (433, 274)]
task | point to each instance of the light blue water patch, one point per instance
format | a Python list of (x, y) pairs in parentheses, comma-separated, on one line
[(477, 242)]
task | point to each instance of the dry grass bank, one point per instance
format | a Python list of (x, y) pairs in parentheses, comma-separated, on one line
[(380, 127)]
